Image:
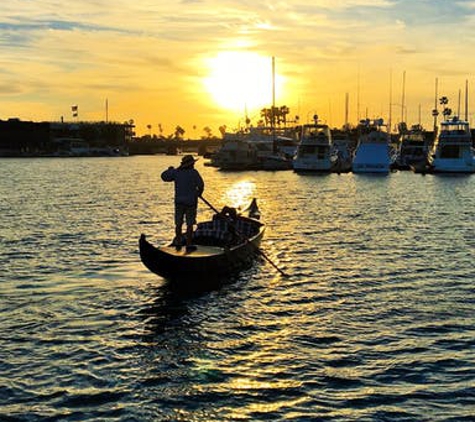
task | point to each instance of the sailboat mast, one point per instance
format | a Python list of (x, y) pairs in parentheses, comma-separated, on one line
[(358, 97), (274, 146), (458, 104), (390, 99), (403, 99), (347, 102), (435, 112), (466, 100), (273, 81)]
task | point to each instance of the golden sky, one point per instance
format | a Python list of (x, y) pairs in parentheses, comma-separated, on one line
[(198, 63)]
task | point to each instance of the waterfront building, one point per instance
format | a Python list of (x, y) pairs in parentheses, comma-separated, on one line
[(26, 138)]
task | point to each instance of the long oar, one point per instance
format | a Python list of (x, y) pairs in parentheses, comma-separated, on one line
[(259, 250)]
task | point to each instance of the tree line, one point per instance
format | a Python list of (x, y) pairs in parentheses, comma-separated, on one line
[(270, 117)]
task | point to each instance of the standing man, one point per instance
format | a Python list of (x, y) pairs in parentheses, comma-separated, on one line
[(189, 186)]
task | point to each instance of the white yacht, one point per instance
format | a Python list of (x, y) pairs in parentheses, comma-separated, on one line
[(373, 152), (452, 151), (314, 149)]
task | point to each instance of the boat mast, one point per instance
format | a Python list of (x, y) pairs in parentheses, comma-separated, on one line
[(358, 98), (347, 101), (466, 100), (403, 99), (273, 81), (390, 99), (459, 102), (435, 112), (274, 146)]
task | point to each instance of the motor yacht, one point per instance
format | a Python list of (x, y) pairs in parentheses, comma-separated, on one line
[(314, 150), (452, 151), (373, 152), (412, 149)]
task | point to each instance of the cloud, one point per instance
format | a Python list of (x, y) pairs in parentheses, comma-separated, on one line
[(52, 51)]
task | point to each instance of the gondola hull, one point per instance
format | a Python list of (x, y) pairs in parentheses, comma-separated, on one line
[(206, 263)]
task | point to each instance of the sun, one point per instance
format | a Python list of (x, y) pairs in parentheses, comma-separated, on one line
[(240, 80)]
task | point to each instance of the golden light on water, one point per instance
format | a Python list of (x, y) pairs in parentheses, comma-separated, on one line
[(239, 80), (240, 194)]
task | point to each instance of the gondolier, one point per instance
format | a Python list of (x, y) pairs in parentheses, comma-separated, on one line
[(189, 186)]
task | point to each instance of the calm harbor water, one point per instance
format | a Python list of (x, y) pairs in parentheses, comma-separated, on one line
[(376, 322)]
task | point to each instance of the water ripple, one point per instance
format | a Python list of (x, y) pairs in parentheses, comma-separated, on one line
[(375, 323)]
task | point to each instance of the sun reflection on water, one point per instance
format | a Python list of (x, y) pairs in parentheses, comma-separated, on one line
[(240, 194)]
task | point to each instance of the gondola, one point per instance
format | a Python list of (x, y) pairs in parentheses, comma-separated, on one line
[(225, 245)]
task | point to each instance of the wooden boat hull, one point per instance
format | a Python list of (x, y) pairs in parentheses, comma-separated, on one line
[(206, 263)]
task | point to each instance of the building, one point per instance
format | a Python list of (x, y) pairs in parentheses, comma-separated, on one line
[(31, 139)]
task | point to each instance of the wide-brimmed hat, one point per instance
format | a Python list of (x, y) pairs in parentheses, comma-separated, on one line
[(188, 160)]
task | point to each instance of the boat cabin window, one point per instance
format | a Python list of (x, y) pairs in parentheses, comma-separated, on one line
[(308, 149), (322, 152), (315, 132), (319, 151), (450, 151), (455, 128)]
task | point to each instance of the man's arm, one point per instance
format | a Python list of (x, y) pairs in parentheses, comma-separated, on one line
[(200, 184), (169, 174)]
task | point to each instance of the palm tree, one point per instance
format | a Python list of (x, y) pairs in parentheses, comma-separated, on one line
[(284, 111), (179, 132), (208, 131)]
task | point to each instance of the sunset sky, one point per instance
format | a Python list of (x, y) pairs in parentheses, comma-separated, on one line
[(198, 63)]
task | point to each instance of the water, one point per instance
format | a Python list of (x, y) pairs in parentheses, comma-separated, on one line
[(376, 322)]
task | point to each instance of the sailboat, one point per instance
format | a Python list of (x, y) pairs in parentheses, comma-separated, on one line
[(275, 160)]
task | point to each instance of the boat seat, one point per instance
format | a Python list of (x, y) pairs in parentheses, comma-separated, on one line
[(238, 226), (245, 228), (211, 233), (221, 232)]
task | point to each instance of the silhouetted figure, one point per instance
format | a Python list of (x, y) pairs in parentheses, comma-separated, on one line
[(189, 186)]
